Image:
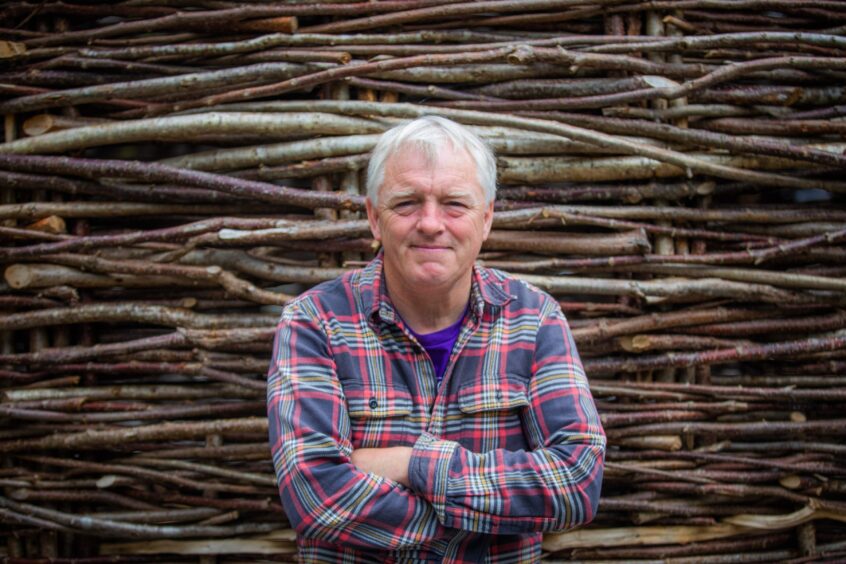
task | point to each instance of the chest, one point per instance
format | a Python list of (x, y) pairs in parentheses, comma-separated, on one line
[(392, 395)]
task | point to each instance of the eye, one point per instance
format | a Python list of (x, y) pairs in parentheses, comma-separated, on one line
[(403, 206), (456, 207)]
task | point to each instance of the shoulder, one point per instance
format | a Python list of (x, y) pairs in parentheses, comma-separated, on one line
[(336, 296), (520, 294)]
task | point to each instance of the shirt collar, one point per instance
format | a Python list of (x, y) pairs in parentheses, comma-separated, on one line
[(486, 290)]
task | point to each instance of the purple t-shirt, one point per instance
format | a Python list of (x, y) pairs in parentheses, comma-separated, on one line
[(439, 345)]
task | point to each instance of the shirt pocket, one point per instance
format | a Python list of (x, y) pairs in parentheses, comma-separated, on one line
[(492, 414), (379, 417)]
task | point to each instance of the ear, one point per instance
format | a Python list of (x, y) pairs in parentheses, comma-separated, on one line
[(489, 213), (373, 219)]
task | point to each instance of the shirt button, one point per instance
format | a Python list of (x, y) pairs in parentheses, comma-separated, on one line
[(373, 403), (499, 395)]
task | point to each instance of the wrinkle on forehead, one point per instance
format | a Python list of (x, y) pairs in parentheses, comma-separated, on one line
[(431, 151), (431, 155)]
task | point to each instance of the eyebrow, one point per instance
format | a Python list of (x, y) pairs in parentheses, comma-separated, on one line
[(400, 194), (460, 194)]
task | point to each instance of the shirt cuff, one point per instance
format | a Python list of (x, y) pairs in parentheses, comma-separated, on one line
[(428, 471)]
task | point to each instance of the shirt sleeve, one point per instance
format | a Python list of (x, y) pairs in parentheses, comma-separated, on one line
[(556, 484), (323, 494)]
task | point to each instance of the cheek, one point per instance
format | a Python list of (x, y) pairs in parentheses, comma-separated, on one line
[(395, 227), (469, 230)]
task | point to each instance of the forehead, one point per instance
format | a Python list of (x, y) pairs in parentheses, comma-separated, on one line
[(445, 169)]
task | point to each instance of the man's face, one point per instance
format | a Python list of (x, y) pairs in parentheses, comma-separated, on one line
[(430, 218)]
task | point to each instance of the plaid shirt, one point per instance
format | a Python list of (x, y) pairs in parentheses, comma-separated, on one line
[(510, 444)]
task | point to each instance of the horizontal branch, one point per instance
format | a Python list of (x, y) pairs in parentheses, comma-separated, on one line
[(157, 432), (159, 173), (188, 127)]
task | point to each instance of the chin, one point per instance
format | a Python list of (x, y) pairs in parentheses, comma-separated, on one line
[(427, 276)]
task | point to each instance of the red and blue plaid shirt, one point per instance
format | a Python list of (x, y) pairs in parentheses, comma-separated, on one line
[(507, 447)]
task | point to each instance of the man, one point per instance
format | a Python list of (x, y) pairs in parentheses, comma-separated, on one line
[(424, 409)]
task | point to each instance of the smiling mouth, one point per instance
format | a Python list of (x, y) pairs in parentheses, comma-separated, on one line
[(430, 247)]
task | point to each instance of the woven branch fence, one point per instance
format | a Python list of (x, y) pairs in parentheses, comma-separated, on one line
[(174, 172)]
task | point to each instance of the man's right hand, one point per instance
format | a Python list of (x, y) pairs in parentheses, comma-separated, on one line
[(391, 463)]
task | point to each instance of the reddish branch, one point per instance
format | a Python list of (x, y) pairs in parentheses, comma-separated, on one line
[(154, 173)]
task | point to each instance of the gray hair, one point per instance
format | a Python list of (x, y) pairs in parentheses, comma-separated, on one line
[(429, 134)]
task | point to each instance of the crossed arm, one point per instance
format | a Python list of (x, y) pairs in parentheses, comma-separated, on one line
[(405, 496)]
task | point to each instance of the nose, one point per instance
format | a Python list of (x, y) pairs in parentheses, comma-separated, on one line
[(430, 220)]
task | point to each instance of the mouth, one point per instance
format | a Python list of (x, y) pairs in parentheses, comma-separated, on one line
[(430, 248)]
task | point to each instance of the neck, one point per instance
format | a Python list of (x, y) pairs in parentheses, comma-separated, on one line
[(429, 309)]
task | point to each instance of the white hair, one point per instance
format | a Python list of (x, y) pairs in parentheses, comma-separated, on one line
[(430, 134)]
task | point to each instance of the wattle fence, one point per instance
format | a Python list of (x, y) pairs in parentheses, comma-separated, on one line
[(174, 172)]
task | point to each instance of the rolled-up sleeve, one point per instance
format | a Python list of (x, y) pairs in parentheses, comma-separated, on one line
[(323, 494), (552, 486)]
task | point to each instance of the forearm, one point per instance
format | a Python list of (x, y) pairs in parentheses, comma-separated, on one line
[(553, 482), (323, 493), (504, 492), (500, 491), (327, 497)]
